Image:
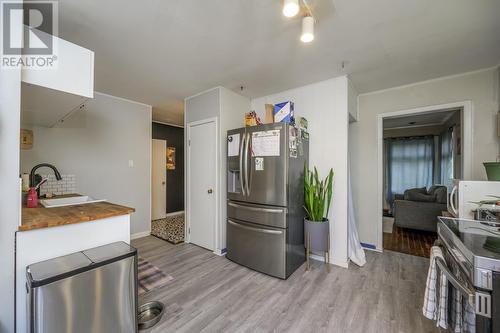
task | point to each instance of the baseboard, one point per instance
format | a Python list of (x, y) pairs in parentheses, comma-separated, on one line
[(140, 234), (333, 261), (219, 252), (175, 213), (373, 249)]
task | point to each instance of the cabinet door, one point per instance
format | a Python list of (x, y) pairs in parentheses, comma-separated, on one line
[(73, 71)]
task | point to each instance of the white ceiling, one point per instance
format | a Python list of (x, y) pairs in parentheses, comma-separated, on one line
[(419, 120), (159, 52)]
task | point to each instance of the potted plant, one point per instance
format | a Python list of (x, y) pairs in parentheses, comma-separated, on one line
[(317, 199), (493, 170)]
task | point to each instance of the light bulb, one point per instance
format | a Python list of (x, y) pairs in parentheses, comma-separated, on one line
[(291, 8), (307, 29)]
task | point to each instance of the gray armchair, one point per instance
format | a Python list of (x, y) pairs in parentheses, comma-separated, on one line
[(418, 210)]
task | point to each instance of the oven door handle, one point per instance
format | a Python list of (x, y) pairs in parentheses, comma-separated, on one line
[(464, 290)]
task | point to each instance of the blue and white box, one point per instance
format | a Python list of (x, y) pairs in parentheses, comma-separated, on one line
[(283, 112)]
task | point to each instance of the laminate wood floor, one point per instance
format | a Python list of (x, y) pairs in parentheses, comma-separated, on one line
[(212, 294)]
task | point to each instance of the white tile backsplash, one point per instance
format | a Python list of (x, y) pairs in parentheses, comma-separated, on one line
[(66, 185)]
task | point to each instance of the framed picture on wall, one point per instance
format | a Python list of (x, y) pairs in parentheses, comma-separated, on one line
[(170, 158)]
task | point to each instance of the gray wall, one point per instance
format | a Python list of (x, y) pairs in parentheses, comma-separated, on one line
[(202, 106), (479, 87), (175, 178), (229, 108), (96, 145), (10, 105)]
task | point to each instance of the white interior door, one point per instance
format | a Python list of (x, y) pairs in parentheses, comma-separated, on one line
[(202, 181), (159, 180)]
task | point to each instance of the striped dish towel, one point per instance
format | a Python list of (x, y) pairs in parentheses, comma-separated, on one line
[(436, 301), (463, 317)]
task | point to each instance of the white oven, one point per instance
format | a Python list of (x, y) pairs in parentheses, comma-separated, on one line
[(465, 193)]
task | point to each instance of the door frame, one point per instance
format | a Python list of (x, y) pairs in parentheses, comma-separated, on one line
[(217, 229), (467, 125)]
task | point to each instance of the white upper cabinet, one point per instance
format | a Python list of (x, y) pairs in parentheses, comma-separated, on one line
[(73, 74)]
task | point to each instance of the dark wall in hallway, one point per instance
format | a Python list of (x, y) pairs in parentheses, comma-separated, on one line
[(175, 178)]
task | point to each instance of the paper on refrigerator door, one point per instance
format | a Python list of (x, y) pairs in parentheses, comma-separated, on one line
[(233, 144), (266, 143)]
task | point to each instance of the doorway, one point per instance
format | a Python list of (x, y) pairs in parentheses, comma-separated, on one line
[(168, 221), (202, 189), (420, 152), (159, 180)]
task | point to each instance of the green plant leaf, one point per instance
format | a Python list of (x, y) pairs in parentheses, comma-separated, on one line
[(317, 194)]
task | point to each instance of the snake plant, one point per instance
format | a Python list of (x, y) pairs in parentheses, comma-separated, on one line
[(317, 194)]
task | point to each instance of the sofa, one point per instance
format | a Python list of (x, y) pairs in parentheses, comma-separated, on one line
[(419, 208)]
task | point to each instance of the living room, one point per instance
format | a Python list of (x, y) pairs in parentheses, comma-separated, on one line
[(422, 154)]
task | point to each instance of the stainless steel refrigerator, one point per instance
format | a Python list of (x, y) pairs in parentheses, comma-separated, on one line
[(265, 194)]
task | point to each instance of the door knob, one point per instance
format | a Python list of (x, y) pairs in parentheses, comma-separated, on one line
[(163, 183), (210, 191)]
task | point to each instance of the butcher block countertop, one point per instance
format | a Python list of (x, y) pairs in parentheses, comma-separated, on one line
[(40, 217)]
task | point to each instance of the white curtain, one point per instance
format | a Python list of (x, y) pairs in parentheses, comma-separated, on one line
[(410, 163), (356, 251), (447, 167)]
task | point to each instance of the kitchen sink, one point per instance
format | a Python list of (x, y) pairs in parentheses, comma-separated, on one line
[(68, 201)]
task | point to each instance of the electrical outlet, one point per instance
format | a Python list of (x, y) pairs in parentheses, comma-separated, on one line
[(130, 163)]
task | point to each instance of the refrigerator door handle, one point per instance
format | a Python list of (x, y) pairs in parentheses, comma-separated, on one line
[(261, 230), (257, 209), (241, 165), (246, 163)]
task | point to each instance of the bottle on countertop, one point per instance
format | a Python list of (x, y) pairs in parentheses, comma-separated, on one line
[(32, 198)]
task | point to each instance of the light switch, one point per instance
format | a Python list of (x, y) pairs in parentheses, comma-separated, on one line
[(130, 163)]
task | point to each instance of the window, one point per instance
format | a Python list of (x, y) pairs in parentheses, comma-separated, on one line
[(410, 164)]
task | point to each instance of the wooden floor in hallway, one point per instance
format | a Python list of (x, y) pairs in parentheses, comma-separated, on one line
[(212, 294)]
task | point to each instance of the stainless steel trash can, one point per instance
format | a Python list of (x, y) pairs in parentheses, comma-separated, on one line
[(89, 291)]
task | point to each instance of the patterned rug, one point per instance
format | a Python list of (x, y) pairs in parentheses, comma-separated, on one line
[(150, 277), (170, 228)]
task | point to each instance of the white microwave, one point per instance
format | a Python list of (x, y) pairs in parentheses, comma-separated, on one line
[(465, 192)]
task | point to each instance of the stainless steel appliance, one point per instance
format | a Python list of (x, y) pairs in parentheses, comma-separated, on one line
[(89, 291), (472, 252), (265, 194)]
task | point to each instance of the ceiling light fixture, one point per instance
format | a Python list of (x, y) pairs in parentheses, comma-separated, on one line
[(291, 8), (307, 29)]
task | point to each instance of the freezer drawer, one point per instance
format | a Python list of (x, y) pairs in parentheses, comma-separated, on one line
[(265, 215), (260, 248)]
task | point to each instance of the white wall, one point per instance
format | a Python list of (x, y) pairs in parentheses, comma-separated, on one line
[(10, 106), (479, 87), (325, 105), (96, 146)]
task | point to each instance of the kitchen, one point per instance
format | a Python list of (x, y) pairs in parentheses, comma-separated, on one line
[(89, 141), (75, 160)]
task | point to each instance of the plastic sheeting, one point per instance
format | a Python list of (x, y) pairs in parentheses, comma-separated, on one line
[(356, 251)]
